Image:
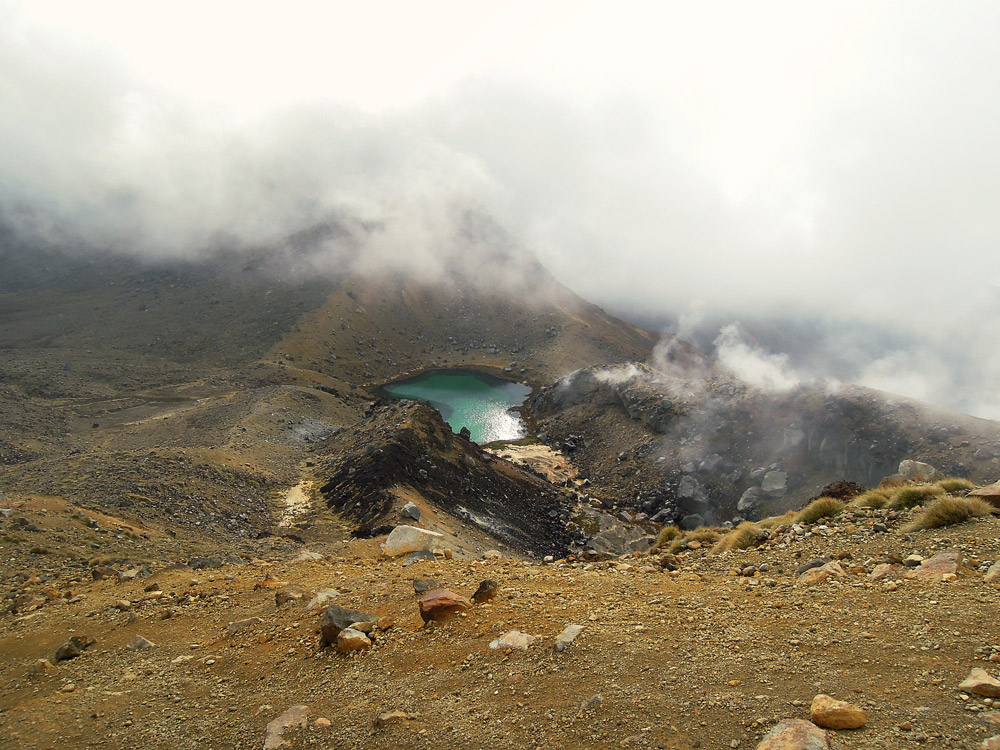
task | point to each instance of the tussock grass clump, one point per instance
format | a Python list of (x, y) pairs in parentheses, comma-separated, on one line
[(871, 499), (951, 485), (821, 507), (743, 536), (947, 511), (667, 534), (785, 519), (702, 534), (912, 496)]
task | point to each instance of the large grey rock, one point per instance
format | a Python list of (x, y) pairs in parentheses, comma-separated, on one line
[(775, 484), (620, 540), (710, 463), (405, 539), (748, 500), (410, 511), (691, 521), (913, 470)]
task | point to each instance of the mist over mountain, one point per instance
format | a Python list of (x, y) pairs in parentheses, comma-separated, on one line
[(825, 179)]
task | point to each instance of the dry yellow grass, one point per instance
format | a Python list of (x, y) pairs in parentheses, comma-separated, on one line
[(913, 495), (742, 537), (947, 511), (870, 499), (821, 507)]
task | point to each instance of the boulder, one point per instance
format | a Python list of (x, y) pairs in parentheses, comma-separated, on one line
[(337, 618), (621, 540), (440, 604), (990, 493), (567, 636), (748, 500), (405, 539), (942, 567), (880, 572), (204, 563), (795, 734), (350, 639), (75, 646), (818, 575), (411, 511), (774, 484), (294, 718), (487, 590), (917, 470), (980, 682), (991, 743), (830, 713), (691, 521)]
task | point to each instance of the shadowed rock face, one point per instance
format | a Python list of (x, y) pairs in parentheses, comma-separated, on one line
[(409, 445), (701, 444)]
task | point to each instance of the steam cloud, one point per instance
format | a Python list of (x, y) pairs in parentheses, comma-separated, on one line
[(841, 206)]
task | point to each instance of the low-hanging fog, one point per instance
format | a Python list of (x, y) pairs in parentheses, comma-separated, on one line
[(808, 191)]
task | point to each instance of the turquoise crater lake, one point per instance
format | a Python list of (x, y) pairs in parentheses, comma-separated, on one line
[(470, 399)]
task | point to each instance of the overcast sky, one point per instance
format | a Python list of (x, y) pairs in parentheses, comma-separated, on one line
[(831, 160)]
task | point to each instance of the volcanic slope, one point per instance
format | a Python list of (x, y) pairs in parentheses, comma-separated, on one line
[(679, 439)]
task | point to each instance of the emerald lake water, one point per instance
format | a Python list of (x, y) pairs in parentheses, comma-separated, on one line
[(469, 399)]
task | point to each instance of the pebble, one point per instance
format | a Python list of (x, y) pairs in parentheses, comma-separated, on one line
[(830, 713)]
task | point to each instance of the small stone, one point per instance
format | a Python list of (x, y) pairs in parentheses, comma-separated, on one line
[(41, 666), (487, 591), (913, 561), (795, 734), (307, 556), (69, 687), (423, 585), (829, 713), (513, 639), (440, 604), (415, 557), (392, 717), (324, 596), (980, 682), (295, 717), (138, 643), (321, 723), (993, 573), (238, 625), (350, 639), (567, 636), (410, 511), (287, 594), (492, 554)]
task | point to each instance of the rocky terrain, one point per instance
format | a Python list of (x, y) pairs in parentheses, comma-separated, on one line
[(192, 452)]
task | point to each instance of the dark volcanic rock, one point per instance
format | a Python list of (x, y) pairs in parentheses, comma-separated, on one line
[(337, 618)]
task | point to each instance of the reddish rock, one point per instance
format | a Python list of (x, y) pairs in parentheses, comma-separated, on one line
[(830, 713), (990, 493), (440, 604), (795, 734), (981, 682), (818, 575), (942, 567)]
